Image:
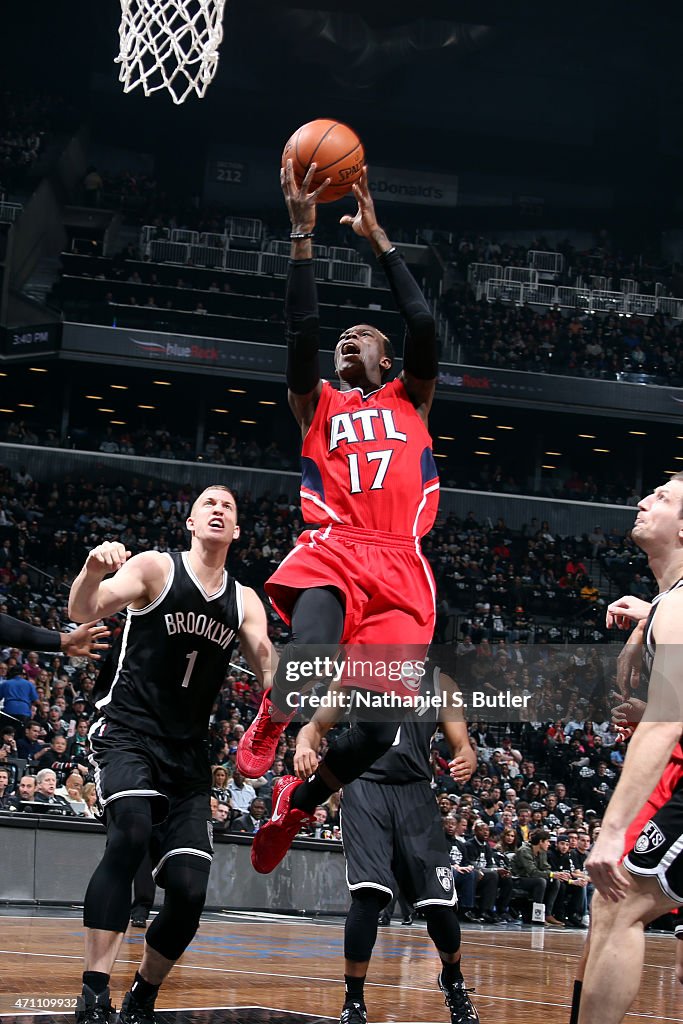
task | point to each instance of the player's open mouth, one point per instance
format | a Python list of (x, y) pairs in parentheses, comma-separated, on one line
[(350, 348), (216, 522)]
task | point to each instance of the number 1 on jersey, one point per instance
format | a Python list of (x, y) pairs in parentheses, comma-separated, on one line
[(191, 658), (383, 457)]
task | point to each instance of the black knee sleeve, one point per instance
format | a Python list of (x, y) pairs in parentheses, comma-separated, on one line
[(108, 897), (355, 750), (360, 930), (317, 626), (443, 928), (173, 929), (318, 616)]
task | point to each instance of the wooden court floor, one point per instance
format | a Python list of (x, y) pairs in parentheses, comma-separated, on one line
[(268, 969)]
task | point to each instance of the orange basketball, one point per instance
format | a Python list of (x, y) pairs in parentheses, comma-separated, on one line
[(336, 151)]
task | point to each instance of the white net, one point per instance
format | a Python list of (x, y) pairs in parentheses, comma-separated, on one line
[(169, 44)]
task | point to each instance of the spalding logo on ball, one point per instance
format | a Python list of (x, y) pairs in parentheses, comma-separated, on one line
[(336, 151)]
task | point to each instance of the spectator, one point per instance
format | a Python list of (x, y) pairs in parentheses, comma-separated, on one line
[(46, 783), (19, 694), (221, 816), (59, 761), (569, 903), (26, 791), (220, 783), (90, 800), (4, 790), (252, 821), (30, 746), (464, 875), (92, 186), (241, 793), (534, 875), (494, 882)]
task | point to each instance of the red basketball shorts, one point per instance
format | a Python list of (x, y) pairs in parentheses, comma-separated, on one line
[(660, 795), (386, 582)]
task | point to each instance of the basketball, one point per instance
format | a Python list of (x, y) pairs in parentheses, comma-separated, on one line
[(336, 150)]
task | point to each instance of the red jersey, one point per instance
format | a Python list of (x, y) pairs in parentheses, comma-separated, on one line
[(367, 462)]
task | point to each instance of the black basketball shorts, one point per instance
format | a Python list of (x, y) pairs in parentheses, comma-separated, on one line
[(174, 775), (393, 834), (658, 850)]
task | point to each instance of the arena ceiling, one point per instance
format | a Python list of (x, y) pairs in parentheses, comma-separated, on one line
[(582, 90)]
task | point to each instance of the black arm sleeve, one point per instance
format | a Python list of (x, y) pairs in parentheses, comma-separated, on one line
[(15, 633), (420, 356), (302, 328)]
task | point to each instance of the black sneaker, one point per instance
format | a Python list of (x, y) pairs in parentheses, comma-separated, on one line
[(354, 1013), (93, 1009), (407, 920), (97, 1014), (138, 919), (132, 1012), (459, 1003)]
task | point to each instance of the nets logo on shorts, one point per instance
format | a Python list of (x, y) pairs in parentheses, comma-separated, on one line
[(445, 876), (411, 676), (650, 838)]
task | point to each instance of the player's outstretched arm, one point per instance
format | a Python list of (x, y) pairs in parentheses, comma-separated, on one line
[(85, 641), (464, 760), (137, 581), (302, 325), (420, 356), (82, 641), (254, 642)]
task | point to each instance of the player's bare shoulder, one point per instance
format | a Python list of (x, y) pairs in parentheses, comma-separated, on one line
[(153, 569)]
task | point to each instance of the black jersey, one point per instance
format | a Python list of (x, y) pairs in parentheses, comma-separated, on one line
[(408, 758), (648, 639), (172, 657)]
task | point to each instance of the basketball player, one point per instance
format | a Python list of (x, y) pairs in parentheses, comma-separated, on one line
[(369, 478), (649, 880), (149, 744), (393, 833), (623, 613)]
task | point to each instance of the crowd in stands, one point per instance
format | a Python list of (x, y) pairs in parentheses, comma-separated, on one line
[(27, 123), (225, 449), (604, 258), (555, 341)]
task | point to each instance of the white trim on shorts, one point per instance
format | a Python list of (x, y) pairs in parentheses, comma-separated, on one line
[(180, 849), (659, 872), (368, 885), (358, 885), (441, 903), (132, 792)]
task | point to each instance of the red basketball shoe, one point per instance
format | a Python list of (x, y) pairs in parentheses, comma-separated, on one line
[(256, 749), (273, 839)]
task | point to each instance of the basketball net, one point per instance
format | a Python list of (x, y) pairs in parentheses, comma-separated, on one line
[(169, 44)]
